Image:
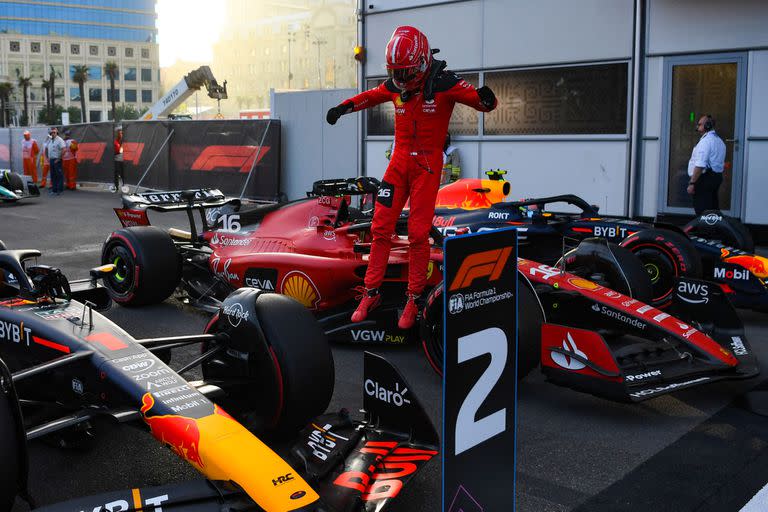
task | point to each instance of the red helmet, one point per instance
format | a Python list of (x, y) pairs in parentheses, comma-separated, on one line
[(408, 57)]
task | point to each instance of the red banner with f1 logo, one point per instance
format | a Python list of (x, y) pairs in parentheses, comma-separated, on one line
[(479, 387)]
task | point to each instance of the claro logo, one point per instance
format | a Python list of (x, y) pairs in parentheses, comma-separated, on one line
[(229, 157), (396, 397), (488, 264)]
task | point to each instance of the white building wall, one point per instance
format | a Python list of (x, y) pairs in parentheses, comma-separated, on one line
[(756, 144), (651, 140), (698, 26)]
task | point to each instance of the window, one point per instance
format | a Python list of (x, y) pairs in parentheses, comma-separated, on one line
[(95, 115), (146, 74), (94, 94), (93, 50), (111, 51), (15, 46), (145, 53), (36, 70), (74, 49), (94, 72), (146, 96), (556, 101), (55, 48), (74, 94), (129, 75), (130, 95), (117, 95), (129, 52), (58, 71), (35, 47)]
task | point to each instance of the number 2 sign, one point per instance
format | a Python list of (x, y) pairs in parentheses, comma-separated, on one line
[(479, 390)]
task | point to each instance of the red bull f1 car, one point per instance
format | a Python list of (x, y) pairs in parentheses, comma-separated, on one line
[(266, 367), (712, 246)]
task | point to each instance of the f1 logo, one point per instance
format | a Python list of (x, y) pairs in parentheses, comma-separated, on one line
[(229, 157), (482, 264), (92, 151)]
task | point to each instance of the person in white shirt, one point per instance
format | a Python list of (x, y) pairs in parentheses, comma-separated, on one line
[(705, 167), (54, 152)]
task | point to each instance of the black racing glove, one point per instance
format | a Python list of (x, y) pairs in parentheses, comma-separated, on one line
[(487, 98), (334, 113)]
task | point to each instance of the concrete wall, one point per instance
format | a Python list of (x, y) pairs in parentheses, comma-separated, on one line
[(311, 148), (756, 144)]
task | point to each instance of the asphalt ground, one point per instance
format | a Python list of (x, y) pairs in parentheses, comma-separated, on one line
[(700, 449)]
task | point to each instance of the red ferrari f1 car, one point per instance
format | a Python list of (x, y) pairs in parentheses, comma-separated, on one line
[(315, 249), (264, 359)]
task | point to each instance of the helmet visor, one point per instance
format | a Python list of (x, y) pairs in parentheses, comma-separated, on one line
[(403, 76)]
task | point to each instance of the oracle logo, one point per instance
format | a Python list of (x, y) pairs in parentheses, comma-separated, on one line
[(229, 157)]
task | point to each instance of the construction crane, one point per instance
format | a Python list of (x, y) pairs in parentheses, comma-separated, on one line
[(192, 82)]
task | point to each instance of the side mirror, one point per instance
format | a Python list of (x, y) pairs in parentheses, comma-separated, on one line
[(103, 271)]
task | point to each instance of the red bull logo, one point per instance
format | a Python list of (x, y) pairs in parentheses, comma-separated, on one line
[(180, 433), (755, 264)]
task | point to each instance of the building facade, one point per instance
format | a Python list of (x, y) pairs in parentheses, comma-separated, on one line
[(598, 97), (286, 44), (37, 37)]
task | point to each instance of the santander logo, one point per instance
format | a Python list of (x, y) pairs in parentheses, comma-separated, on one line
[(566, 362)]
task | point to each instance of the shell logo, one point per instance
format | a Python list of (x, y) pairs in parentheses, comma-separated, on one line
[(430, 269), (299, 286), (398, 101), (583, 283)]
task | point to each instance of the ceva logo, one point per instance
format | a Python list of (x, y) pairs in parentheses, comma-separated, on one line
[(565, 361)]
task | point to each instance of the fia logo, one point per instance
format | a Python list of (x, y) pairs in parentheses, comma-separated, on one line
[(456, 304)]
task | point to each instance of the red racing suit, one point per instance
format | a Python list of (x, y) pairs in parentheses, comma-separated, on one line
[(421, 124)]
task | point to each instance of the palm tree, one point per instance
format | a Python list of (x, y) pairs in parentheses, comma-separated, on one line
[(46, 85), (111, 70), (80, 75), (52, 80), (24, 82), (5, 95)]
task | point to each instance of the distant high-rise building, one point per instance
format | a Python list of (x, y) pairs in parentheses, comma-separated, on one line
[(284, 44), (37, 36)]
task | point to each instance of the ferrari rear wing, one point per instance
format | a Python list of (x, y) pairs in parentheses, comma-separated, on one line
[(176, 199)]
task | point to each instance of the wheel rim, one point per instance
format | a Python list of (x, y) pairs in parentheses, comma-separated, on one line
[(121, 280), (662, 270)]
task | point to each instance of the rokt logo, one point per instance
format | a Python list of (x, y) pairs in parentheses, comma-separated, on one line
[(488, 264), (565, 361)]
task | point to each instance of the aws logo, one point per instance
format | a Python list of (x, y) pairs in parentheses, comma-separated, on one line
[(229, 157)]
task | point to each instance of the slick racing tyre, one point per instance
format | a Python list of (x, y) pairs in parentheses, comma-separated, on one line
[(665, 255), (611, 266), (530, 319), (713, 225), (15, 183), (277, 370), (148, 267)]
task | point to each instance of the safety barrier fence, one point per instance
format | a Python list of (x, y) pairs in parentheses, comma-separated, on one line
[(172, 155)]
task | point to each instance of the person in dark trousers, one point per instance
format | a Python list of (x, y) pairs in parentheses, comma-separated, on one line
[(118, 161), (706, 167), (54, 152), (424, 94)]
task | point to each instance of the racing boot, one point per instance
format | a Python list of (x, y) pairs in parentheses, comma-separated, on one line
[(410, 312), (368, 302)]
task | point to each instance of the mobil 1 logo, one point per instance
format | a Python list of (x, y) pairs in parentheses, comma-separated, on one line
[(479, 370)]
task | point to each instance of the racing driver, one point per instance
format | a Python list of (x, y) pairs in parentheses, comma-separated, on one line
[(424, 94)]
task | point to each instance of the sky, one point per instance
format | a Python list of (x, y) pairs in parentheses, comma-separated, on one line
[(187, 29)]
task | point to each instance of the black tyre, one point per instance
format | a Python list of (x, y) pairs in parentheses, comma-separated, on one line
[(713, 225), (15, 183), (148, 267), (530, 319), (14, 466), (281, 389), (610, 265), (665, 255)]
